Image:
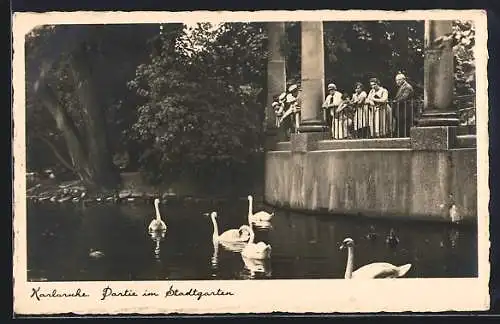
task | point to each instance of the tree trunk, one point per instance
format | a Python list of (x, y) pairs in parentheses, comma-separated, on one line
[(70, 132), (99, 155)]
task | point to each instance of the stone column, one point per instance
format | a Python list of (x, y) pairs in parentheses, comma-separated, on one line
[(312, 77), (438, 76), (436, 127), (312, 126), (276, 77)]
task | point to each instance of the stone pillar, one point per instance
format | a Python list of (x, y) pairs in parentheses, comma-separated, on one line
[(312, 126), (276, 77), (438, 76), (312, 77), (436, 127)]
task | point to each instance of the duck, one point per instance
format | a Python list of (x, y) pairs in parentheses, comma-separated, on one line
[(392, 240), (376, 270), (95, 254), (372, 236), (157, 224), (261, 216), (256, 251), (240, 235)]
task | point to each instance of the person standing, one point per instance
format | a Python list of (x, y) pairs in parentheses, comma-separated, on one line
[(331, 103), (293, 100), (343, 118), (285, 120), (379, 110), (360, 122), (404, 109)]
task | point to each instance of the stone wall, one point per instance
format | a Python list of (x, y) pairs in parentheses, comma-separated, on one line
[(398, 182)]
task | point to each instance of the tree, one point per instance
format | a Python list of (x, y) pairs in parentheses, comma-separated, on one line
[(463, 41), (201, 114), (69, 89)]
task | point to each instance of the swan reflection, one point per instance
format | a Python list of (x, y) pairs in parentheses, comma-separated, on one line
[(454, 236), (157, 237), (214, 261), (256, 268)]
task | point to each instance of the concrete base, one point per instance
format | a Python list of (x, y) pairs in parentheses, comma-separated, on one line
[(272, 137), (305, 142), (433, 138), (379, 182)]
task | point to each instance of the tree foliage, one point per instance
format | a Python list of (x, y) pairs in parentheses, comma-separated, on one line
[(463, 41), (200, 111)]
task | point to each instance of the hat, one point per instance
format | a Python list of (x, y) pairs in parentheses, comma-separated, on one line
[(400, 76), (292, 88), (282, 96), (332, 86)]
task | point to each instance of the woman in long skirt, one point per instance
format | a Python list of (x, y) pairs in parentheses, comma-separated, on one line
[(380, 114)]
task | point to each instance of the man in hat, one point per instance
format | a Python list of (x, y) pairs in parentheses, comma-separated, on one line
[(332, 101), (403, 112)]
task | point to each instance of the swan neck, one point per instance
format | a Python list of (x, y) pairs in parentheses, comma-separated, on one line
[(350, 263), (250, 207), (157, 209), (252, 235), (216, 228)]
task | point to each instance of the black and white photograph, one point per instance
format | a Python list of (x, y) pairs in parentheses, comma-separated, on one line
[(212, 157)]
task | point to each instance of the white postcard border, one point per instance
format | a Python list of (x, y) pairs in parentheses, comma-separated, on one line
[(252, 296)]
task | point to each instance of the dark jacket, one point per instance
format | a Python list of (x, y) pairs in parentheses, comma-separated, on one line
[(405, 92)]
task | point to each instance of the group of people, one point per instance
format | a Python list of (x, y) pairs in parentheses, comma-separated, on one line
[(287, 109), (360, 115)]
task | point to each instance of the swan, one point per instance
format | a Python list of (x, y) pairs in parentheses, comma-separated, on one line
[(376, 270), (261, 216), (240, 235), (372, 236), (157, 224), (256, 251)]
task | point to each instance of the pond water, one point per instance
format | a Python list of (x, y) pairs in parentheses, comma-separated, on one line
[(60, 238)]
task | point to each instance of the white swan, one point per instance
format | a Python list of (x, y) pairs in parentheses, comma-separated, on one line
[(257, 251), (240, 235), (261, 216), (157, 224), (377, 270)]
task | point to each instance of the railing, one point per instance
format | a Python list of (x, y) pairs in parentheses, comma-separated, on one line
[(392, 120), (466, 112)]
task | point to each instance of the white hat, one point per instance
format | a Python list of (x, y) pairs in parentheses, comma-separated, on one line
[(332, 86), (292, 88), (282, 96)]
